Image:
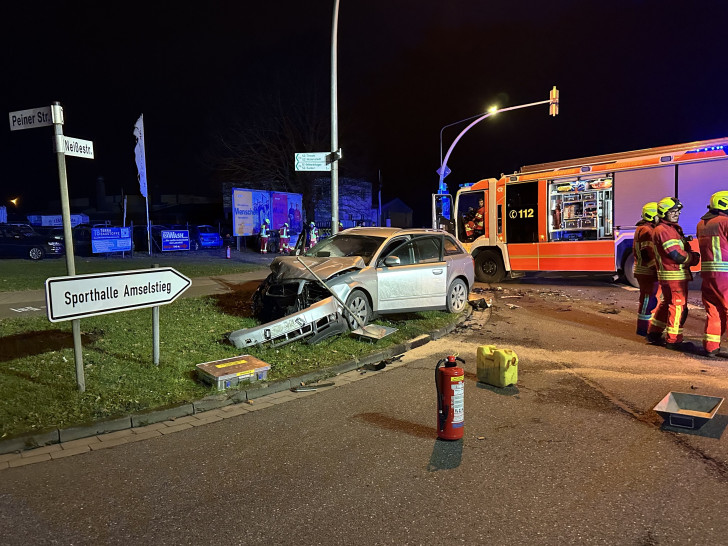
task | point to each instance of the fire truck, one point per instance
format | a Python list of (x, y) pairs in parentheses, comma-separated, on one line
[(578, 215)]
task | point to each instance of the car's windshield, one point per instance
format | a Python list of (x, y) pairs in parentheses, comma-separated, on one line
[(206, 229), (347, 245)]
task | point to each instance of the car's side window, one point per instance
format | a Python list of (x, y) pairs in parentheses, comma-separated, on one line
[(427, 249), (404, 253), (390, 249), (451, 249)]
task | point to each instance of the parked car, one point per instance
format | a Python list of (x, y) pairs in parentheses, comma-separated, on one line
[(204, 236), (18, 241), (375, 270), (139, 238)]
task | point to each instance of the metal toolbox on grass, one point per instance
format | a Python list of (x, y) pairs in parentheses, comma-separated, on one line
[(231, 371), (680, 409)]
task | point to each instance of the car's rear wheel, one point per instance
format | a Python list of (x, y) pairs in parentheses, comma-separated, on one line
[(36, 253), (489, 267), (358, 303), (457, 296)]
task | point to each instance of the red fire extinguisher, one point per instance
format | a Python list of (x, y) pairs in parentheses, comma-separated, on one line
[(450, 385)]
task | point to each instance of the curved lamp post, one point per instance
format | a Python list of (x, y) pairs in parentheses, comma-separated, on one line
[(553, 110)]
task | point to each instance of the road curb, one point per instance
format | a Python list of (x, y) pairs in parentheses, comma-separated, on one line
[(214, 401)]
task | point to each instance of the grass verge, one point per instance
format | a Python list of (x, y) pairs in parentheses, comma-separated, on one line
[(27, 275), (37, 371)]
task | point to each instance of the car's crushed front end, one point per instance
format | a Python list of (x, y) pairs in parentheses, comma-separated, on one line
[(291, 287), (296, 303)]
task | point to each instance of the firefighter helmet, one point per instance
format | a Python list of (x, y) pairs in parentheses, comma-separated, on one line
[(312, 224), (266, 221), (719, 201), (667, 204), (649, 211)]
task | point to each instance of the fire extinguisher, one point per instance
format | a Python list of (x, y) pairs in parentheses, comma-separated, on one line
[(227, 252), (450, 385)]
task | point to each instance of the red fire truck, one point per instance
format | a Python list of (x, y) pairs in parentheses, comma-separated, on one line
[(580, 214)]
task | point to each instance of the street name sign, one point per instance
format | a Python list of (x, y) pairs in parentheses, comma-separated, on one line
[(313, 161), (75, 146), (69, 298), (30, 119)]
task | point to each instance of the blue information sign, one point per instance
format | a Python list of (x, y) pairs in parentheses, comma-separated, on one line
[(110, 239), (175, 239)]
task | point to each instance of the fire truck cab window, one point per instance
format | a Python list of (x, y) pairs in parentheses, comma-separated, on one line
[(472, 215), (522, 212), (580, 210)]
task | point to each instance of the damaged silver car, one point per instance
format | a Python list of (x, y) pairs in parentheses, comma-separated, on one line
[(346, 280)]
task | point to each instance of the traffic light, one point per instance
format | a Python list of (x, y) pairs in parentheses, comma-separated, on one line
[(554, 104)]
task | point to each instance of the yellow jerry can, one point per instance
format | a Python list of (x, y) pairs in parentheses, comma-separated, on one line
[(498, 367)]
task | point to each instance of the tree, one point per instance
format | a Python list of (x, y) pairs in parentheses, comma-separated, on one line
[(258, 147)]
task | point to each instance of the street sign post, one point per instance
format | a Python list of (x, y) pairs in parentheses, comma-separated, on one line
[(313, 161), (79, 296)]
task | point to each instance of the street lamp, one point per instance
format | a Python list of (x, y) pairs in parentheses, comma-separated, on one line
[(553, 101), (456, 123)]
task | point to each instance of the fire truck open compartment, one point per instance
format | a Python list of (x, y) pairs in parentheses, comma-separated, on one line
[(580, 210)]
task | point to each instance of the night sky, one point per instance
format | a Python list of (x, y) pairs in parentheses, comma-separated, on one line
[(631, 74)]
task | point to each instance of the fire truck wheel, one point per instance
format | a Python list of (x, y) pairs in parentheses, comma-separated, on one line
[(457, 296), (489, 267), (628, 270), (359, 303)]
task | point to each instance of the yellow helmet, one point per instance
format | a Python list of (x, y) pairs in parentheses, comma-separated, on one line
[(719, 201), (667, 204), (649, 211)]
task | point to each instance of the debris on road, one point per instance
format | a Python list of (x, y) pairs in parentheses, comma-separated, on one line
[(309, 388)]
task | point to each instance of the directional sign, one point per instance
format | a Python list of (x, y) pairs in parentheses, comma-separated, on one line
[(69, 298), (75, 146), (313, 161), (30, 119)]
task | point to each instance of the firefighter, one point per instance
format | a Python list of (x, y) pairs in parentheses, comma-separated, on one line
[(674, 259), (476, 225), (312, 235), (264, 235), (712, 234), (285, 238), (645, 270)]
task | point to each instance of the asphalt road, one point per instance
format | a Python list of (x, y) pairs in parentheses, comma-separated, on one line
[(572, 454)]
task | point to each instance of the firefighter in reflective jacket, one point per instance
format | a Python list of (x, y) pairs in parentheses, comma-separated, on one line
[(312, 235), (264, 235), (645, 270), (285, 238), (674, 259), (476, 226), (713, 240)]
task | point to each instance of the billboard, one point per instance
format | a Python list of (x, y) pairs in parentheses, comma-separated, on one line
[(110, 239), (287, 207), (252, 207)]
